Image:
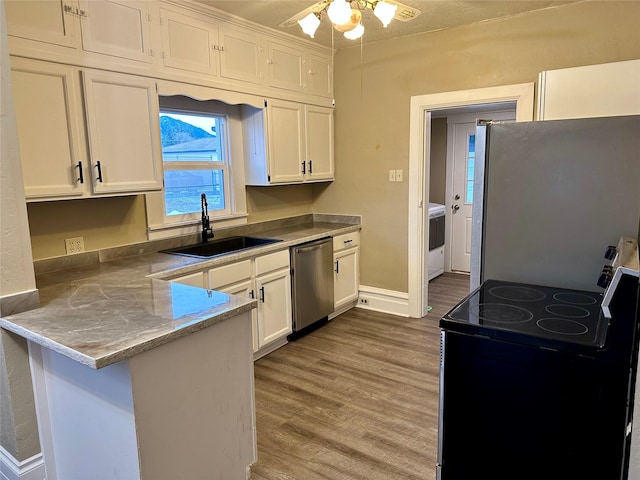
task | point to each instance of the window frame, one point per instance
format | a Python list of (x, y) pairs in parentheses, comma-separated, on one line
[(159, 224), (223, 165)]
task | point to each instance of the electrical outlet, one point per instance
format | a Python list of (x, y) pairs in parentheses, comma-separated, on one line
[(392, 175), (399, 175), (74, 245), (364, 301)]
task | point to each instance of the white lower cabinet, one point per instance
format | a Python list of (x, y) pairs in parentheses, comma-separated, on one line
[(267, 279), (197, 279), (346, 269)]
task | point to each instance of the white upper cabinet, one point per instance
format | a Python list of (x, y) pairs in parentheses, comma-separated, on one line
[(299, 70), (285, 139), (189, 43), (319, 74), (116, 28), (242, 54), (169, 40), (288, 142), (203, 45), (50, 132), (319, 143), (117, 153), (286, 67), (124, 136), (111, 27), (603, 90), (48, 21)]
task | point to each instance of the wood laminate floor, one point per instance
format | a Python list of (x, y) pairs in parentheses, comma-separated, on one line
[(356, 398)]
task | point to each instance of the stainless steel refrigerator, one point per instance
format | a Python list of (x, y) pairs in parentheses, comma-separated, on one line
[(550, 196)]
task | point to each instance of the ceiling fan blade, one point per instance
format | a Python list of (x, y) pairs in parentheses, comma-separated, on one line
[(405, 13), (315, 8)]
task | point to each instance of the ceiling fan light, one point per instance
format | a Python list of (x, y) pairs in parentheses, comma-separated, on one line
[(352, 23), (385, 12), (355, 33), (310, 24), (339, 12)]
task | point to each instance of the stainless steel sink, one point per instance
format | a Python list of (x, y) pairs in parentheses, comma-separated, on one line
[(220, 247)]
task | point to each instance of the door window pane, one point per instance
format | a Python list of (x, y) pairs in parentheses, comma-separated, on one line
[(471, 156)]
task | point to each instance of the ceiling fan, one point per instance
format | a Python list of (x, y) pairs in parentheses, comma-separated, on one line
[(345, 16)]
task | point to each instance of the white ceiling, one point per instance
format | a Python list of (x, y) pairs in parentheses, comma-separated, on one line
[(436, 15)]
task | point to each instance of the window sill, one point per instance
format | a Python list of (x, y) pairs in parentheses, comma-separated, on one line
[(158, 232)]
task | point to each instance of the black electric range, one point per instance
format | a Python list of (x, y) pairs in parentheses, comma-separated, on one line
[(533, 315), (538, 382)]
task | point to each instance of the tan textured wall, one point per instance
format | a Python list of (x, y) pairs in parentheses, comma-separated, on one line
[(372, 123), (270, 203), (438, 171), (18, 424), (103, 222), (109, 222)]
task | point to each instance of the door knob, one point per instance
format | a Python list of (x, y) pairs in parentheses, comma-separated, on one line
[(456, 208)]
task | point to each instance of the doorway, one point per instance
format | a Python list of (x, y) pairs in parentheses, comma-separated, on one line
[(460, 162), (422, 109)]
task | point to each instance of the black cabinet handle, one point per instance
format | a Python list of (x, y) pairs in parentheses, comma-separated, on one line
[(262, 294), (310, 166), (304, 168), (252, 295), (337, 266), (99, 171), (80, 174)]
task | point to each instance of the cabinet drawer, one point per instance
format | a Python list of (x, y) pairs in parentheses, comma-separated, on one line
[(347, 240), (229, 274), (273, 261)]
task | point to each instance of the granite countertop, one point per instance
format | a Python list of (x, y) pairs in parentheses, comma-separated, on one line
[(103, 313)]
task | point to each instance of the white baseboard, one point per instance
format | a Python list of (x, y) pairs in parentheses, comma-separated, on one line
[(30, 469), (381, 300)]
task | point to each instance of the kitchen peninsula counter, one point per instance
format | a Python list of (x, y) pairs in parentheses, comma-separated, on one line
[(105, 312), (137, 377)]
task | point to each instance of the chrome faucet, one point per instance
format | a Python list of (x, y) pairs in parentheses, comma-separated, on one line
[(207, 231)]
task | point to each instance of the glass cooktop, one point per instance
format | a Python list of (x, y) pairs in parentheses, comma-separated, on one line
[(531, 313)]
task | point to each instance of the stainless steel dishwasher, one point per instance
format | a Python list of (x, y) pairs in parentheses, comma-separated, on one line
[(311, 282)]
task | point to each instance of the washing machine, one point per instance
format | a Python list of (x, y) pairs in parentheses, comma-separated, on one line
[(436, 239)]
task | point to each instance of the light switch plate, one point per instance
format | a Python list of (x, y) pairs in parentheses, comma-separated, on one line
[(392, 175), (398, 175)]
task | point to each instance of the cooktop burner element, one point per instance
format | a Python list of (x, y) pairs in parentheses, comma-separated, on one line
[(575, 298), (532, 314), (501, 313), (517, 293), (571, 311)]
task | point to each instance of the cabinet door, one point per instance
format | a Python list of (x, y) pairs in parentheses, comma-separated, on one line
[(124, 133), (197, 279), (188, 43), (116, 28), (285, 127), (286, 67), (49, 21), (346, 277), (274, 306), (50, 135), (242, 55), (245, 289), (319, 75), (319, 143)]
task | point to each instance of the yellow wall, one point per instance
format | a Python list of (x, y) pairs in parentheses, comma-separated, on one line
[(373, 98)]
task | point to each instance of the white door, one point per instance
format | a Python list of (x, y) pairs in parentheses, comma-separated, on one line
[(461, 146)]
